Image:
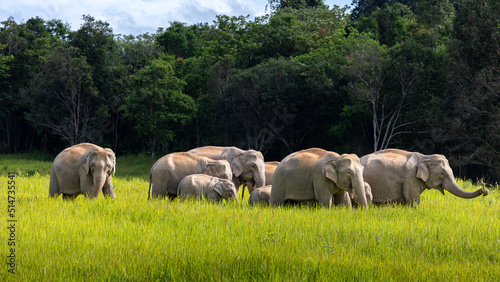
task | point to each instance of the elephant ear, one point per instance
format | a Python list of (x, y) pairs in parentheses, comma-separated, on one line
[(86, 160), (113, 157), (423, 170), (330, 171), (237, 166), (114, 167), (210, 169), (218, 188)]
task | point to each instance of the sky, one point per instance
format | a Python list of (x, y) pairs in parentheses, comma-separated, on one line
[(135, 16)]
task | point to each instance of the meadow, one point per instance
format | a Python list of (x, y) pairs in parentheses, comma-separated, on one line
[(130, 238)]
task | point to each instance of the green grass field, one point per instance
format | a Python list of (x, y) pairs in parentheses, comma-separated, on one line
[(131, 238)]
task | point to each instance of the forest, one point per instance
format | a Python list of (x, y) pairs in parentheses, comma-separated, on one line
[(420, 75)]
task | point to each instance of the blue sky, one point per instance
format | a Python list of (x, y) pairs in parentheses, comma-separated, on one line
[(132, 16)]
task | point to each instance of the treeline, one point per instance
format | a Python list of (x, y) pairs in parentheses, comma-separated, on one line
[(418, 75)]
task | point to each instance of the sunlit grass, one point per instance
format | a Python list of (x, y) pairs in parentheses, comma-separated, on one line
[(130, 238)]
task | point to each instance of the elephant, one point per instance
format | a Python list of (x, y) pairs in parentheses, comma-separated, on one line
[(208, 187), (166, 174), (317, 174), (369, 196), (398, 176), (270, 168), (83, 169), (260, 195), (248, 167)]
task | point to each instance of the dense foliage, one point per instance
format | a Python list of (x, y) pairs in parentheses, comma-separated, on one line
[(417, 75)]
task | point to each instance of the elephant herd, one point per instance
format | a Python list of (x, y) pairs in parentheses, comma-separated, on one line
[(311, 175)]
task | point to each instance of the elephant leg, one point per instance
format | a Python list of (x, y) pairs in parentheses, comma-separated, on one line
[(251, 187), (86, 185), (107, 189), (342, 198), (159, 190), (243, 190), (54, 189), (324, 198), (322, 193), (326, 202), (411, 192)]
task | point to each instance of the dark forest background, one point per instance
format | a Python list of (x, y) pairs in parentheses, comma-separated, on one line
[(416, 75)]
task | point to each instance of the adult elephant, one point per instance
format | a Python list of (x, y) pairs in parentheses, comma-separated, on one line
[(270, 168), (83, 169), (316, 174), (166, 174), (248, 167), (398, 176)]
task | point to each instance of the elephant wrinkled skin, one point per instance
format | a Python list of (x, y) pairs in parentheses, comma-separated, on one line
[(398, 176), (168, 172), (83, 169), (208, 187), (248, 167), (316, 174)]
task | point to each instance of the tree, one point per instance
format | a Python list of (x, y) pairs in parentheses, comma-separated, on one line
[(132, 53), (28, 44), (436, 15), (221, 75), (391, 24), (61, 96), (4, 60), (367, 65), (96, 41), (367, 7), (385, 78), (179, 40), (6, 100), (472, 135), (294, 4), (157, 102), (283, 100), (291, 32)]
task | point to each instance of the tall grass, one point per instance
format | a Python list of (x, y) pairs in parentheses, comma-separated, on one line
[(131, 238), (26, 163)]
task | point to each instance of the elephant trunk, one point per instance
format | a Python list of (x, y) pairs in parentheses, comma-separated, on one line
[(450, 185), (260, 179), (359, 187), (99, 181)]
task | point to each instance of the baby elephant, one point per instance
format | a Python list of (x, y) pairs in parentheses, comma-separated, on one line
[(208, 187), (260, 195)]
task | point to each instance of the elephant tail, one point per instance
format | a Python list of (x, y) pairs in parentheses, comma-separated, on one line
[(149, 190)]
